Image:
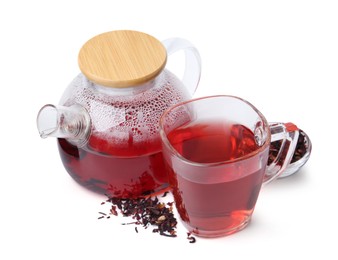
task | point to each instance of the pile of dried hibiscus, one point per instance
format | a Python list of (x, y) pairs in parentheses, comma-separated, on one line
[(146, 212)]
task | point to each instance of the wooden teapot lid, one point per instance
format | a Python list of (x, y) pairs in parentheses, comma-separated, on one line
[(122, 58)]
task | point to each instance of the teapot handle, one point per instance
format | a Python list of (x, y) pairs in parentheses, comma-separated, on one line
[(192, 72)]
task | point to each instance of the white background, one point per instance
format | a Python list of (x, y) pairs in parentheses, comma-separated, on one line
[(282, 56)]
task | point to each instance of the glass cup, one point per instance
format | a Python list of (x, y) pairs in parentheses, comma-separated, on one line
[(216, 150)]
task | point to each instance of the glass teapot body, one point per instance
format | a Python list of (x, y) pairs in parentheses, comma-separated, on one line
[(122, 154)]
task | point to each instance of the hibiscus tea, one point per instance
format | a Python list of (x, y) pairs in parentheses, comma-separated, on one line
[(214, 194), (127, 176)]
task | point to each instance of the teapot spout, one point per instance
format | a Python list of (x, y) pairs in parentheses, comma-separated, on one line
[(72, 123)]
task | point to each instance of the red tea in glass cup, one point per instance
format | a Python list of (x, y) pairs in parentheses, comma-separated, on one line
[(216, 151)]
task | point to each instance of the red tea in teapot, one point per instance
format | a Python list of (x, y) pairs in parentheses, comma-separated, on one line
[(121, 177)]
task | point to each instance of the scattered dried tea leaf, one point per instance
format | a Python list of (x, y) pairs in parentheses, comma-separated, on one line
[(191, 238)]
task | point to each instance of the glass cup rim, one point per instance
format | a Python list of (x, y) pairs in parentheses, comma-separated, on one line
[(167, 143)]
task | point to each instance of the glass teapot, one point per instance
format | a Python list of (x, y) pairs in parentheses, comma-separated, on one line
[(107, 121)]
